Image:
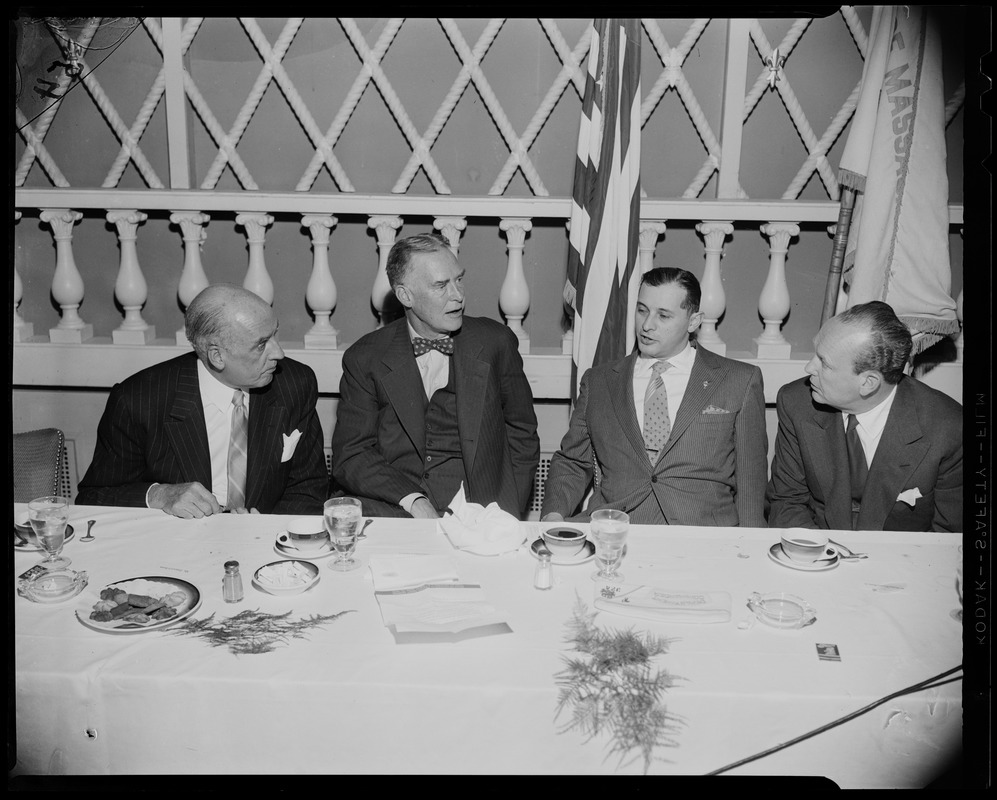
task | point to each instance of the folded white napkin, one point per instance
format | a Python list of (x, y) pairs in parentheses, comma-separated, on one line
[(407, 571), (662, 605), (482, 530)]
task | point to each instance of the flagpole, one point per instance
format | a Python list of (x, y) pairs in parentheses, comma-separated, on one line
[(851, 183)]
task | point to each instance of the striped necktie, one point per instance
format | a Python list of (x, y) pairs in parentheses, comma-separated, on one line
[(237, 449), (657, 426)]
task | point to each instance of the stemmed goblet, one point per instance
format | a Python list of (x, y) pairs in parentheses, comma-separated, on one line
[(343, 518), (609, 528), (48, 517)]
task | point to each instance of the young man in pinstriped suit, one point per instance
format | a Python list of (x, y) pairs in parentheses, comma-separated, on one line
[(710, 468), (163, 439)]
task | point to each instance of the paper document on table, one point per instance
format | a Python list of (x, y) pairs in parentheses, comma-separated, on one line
[(422, 600), (410, 569), (648, 602)]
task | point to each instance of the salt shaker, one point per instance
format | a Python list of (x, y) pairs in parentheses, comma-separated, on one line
[(543, 576), (232, 583)]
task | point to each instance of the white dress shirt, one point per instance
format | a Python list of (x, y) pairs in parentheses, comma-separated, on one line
[(871, 424), (675, 381), (216, 399), (434, 367)]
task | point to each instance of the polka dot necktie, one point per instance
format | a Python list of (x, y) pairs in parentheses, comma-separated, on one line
[(423, 346), (657, 427), (237, 453)]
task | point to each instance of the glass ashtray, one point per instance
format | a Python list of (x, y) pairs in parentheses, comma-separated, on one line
[(53, 586), (781, 610)]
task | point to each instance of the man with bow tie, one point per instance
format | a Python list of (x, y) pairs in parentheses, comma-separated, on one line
[(434, 400), (672, 433)]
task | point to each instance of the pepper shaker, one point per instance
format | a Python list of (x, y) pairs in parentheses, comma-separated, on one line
[(543, 576), (232, 583)]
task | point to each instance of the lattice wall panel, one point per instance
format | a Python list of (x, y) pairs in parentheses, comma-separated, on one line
[(469, 107)]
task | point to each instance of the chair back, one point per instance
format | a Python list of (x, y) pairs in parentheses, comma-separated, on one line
[(38, 458)]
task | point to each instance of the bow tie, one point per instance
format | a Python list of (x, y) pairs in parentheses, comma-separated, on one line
[(423, 346)]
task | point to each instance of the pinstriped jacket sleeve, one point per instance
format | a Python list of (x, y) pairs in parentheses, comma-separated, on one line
[(119, 473)]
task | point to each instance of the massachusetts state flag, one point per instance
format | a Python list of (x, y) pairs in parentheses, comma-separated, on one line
[(602, 277), (898, 242)]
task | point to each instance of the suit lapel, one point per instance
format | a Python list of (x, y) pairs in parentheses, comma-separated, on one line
[(267, 419), (403, 386), (704, 379), (901, 448), (621, 392), (470, 383), (824, 436), (186, 431)]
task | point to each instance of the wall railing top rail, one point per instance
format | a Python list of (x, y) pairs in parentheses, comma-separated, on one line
[(432, 205)]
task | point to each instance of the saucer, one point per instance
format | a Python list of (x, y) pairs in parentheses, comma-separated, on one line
[(294, 552), (778, 555), (25, 546), (587, 554)]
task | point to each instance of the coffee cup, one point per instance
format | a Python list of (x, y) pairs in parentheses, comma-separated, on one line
[(564, 542), (807, 547), (305, 534)]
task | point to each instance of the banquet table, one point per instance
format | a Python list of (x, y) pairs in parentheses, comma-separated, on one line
[(346, 697)]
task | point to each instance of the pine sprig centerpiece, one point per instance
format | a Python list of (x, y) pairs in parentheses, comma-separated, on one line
[(614, 688), (252, 631)]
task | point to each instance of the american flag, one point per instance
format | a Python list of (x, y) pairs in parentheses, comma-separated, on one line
[(602, 277)]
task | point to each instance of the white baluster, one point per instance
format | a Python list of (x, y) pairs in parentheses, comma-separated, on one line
[(67, 283), (192, 278), (650, 230), (257, 278), (321, 292), (514, 297), (773, 304), (451, 228), (960, 342), (385, 228), (714, 301), (130, 287), (22, 331)]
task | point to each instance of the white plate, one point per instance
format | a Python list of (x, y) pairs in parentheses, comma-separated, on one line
[(26, 547), (295, 553), (154, 586), (778, 555), (587, 554)]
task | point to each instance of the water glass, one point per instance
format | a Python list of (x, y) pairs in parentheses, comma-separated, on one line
[(343, 518), (49, 516), (609, 529)]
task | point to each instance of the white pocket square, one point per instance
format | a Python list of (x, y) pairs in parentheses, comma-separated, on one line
[(290, 442), (909, 496)]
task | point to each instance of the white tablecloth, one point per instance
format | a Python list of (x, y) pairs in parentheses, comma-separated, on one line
[(348, 699)]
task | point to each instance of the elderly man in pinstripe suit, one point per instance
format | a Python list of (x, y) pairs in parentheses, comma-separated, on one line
[(167, 437), (680, 443)]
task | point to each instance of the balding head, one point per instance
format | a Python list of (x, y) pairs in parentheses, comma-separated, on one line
[(234, 332)]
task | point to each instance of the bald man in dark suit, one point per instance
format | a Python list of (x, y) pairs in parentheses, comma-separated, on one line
[(162, 441)]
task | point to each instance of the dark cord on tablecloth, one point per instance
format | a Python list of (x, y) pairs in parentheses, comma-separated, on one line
[(930, 683)]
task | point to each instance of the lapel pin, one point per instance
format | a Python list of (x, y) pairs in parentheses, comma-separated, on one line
[(705, 384)]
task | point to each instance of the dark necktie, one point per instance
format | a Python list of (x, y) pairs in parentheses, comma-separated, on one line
[(657, 427), (423, 346), (857, 467), (237, 449)]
